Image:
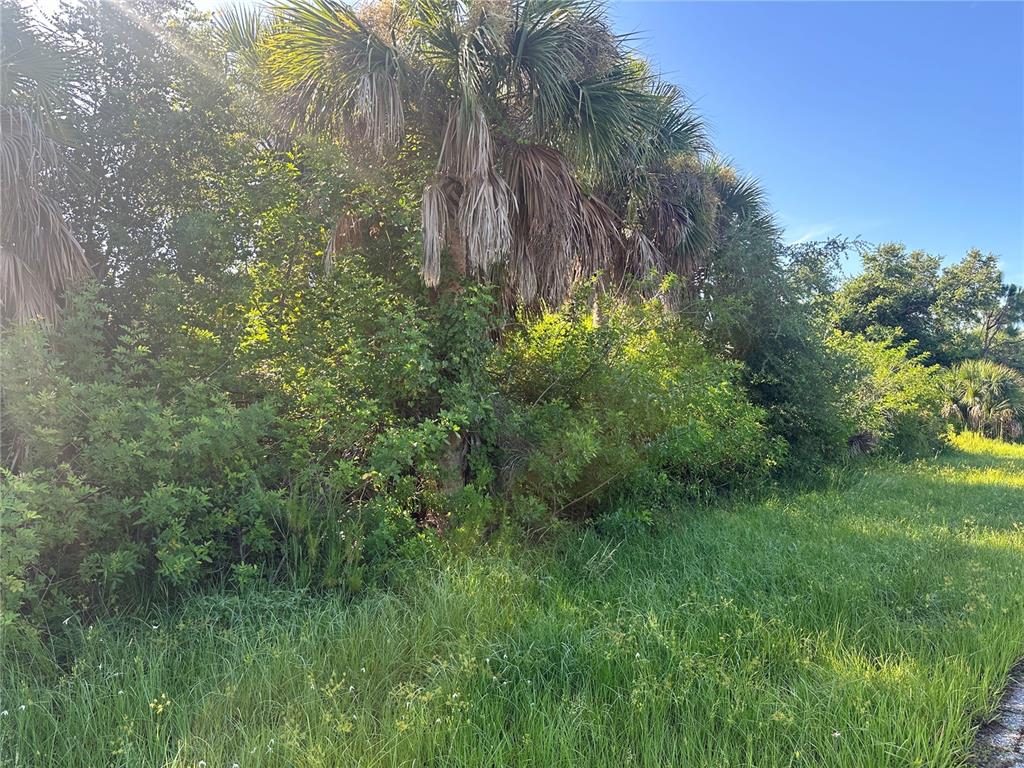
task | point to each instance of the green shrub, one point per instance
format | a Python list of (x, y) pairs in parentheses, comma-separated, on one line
[(123, 485), (894, 399), (126, 480), (595, 398), (766, 305)]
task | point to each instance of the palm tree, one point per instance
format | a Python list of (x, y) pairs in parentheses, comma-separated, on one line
[(39, 255), (558, 154), (532, 108), (986, 397)]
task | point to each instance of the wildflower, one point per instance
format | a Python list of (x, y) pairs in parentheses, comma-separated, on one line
[(835, 734), (363, 670), (3, 714), (65, 622), (159, 705), (120, 693), (21, 708), (155, 626), (351, 689), (455, 695), (202, 764)]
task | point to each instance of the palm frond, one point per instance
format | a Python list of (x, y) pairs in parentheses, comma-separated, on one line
[(335, 73), (484, 219), (546, 222), (32, 74), (40, 258), (347, 233), (988, 396), (440, 228), (607, 117), (241, 30), (602, 246), (642, 256), (679, 129), (466, 149)]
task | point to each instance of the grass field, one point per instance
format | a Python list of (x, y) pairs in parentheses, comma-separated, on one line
[(871, 624)]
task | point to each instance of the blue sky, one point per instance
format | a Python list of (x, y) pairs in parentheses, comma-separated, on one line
[(892, 121)]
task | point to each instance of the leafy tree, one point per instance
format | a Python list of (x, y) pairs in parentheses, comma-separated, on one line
[(980, 311), (896, 289), (765, 305), (149, 129), (39, 254)]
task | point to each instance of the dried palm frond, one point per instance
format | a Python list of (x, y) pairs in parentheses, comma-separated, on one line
[(602, 244), (436, 215), (484, 219), (378, 106), (547, 222), (862, 443), (348, 232), (39, 256), (642, 257), (976, 416), (466, 150), (1013, 430), (434, 218)]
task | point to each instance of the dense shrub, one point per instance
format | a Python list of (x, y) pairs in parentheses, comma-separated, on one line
[(894, 398), (766, 306), (125, 478), (123, 483), (594, 397)]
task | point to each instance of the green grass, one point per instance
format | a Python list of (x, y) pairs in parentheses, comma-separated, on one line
[(871, 625)]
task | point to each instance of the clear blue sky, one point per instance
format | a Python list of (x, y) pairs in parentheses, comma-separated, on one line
[(892, 121)]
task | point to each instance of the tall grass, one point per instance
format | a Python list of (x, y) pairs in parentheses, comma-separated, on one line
[(868, 625)]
